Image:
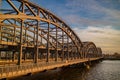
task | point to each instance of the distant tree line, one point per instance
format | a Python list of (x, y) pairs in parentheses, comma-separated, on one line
[(115, 56)]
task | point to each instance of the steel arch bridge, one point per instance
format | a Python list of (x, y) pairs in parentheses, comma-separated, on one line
[(29, 32)]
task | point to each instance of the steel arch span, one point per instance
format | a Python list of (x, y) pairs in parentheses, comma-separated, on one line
[(28, 31), (90, 50)]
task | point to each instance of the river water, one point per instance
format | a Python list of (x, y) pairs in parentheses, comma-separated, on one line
[(105, 70)]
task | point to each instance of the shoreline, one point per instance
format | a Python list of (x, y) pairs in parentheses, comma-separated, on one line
[(110, 59)]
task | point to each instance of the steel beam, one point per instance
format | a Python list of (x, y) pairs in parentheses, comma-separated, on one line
[(56, 51), (0, 55), (67, 48), (24, 55), (36, 47), (62, 45), (48, 50), (13, 56), (20, 45)]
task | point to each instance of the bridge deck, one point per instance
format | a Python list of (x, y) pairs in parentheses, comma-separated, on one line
[(17, 70)]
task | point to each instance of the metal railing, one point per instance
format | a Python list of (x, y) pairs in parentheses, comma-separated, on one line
[(13, 68), (29, 67)]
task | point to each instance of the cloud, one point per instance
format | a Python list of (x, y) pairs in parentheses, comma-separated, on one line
[(91, 13), (105, 37), (92, 20), (76, 19), (85, 12), (93, 8)]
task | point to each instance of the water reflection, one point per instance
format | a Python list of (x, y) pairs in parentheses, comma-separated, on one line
[(106, 70)]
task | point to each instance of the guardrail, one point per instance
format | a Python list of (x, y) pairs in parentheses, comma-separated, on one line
[(17, 70)]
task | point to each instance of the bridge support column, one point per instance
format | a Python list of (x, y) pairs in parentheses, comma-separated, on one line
[(13, 56), (67, 48), (72, 55), (36, 54), (24, 56), (71, 52), (1, 36), (76, 56), (81, 54), (1, 31), (36, 47), (6, 55), (48, 50), (0, 55), (56, 53), (62, 45), (21, 41), (62, 54), (20, 55), (41, 55)]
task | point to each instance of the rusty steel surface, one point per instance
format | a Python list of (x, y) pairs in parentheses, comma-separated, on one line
[(29, 32)]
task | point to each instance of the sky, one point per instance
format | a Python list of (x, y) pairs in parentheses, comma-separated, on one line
[(92, 20)]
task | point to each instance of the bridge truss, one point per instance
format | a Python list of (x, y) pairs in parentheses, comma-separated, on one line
[(29, 32)]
